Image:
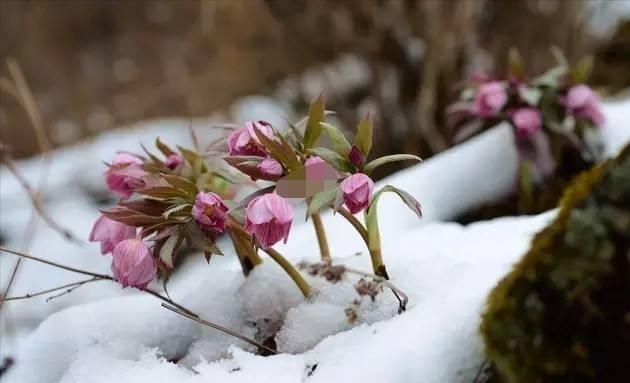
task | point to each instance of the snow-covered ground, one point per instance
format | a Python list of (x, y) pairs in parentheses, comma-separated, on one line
[(110, 334)]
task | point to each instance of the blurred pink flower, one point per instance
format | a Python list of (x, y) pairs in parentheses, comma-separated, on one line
[(357, 191), (268, 219), (313, 160), (210, 211), (132, 264), (174, 160), (527, 122), (270, 168), (244, 142), (582, 101), (125, 174), (109, 233), (490, 98)]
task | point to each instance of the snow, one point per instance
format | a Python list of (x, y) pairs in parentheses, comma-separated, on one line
[(101, 333)]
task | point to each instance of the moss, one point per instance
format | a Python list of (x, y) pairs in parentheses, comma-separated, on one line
[(563, 313)]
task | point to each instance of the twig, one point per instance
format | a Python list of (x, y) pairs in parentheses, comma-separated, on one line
[(72, 288), (55, 264), (403, 299), (34, 195), (43, 292), (220, 328)]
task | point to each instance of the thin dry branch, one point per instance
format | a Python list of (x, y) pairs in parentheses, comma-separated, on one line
[(69, 286)]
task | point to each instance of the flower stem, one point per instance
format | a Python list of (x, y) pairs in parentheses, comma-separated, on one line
[(354, 222), (321, 237), (292, 271), (374, 245)]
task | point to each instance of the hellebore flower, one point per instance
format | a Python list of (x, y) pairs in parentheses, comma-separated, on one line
[(132, 264), (125, 174), (270, 168), (244, 142), (210, 211), (357, 191), (356, 157), (527, 122), (313, 160), (173, 161), (268, 219), (490, 98), (582, 101), (110, 233)]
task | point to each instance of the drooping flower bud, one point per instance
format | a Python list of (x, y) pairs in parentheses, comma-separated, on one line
[(173, 161), (125, 174), (110, 233), (268, 219), (270, 168), (132, 264), (527, 122), (244, 142), (210, 211), (357, 192), (490, 98), (313, 160), (583, 102), (356, 157)]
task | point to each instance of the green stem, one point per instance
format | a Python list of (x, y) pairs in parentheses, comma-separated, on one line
[(321, 237), (354, 222), (374, 245), (292, 271)]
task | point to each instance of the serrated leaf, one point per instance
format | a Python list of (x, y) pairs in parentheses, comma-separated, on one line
[(163, 192), (515, 63), (369, 168), (201, 240), (282, 154), (316, 114), (249, 165), (176, 209), (337, 139), (582, 70), (320, 201), (363, 139), (335, 159), (151, 156), (163, 148), (191, 157), (167, 249), (146, 206), (134, 218)]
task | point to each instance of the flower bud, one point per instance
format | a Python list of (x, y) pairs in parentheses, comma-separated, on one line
[(583, 102), (132, 264), (357, 191), (210, 211), (268, 219), (527, 122), (270, 168), (356, 157), (173, 161), (110, 233), (125, 174), (244, 142)]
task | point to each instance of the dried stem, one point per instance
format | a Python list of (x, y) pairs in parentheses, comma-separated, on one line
[(70, 286), (220, 328), (403, 299)]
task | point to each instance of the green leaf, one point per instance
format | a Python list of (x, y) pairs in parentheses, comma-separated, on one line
[(163, 148), (337, 139), (335, 159), (530, 95), (411, 202), (315, 116), (321, 200), (561, 59), (582, 70), (193, 158), (283, 154), (363, 139), (551, 77), (163, 192), (181, 183), (369, 168), (515, 63)]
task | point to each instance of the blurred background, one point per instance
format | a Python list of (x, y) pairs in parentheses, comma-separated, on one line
[(98, 65)]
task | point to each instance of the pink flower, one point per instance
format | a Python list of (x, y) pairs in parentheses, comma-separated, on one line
[(313, 160), (268, 219), (582, 101), (132, 264), (489, 99), (244, 142), (357, 191), (125, 174), (210, 211), (270, 168), (110, 233), (527, 121), (173, 161)]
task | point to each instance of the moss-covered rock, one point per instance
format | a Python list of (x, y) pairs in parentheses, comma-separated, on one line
[(563, 314)]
